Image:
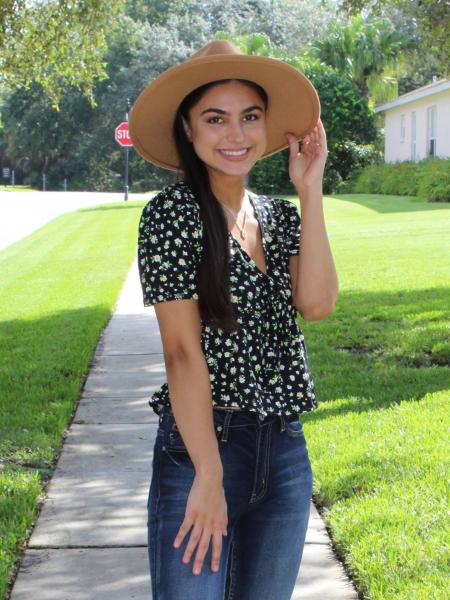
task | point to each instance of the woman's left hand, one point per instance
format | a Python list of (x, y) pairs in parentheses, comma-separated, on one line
[(306, 167)]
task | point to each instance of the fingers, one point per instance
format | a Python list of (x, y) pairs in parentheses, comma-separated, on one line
[(216, 550), (310, 141), (196, 534), (200, 535), (293, 145), (315, 142), (312, 137), (317, 135), (201, 551), (184, 528)]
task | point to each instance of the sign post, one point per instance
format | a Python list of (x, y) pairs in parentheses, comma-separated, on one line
[(6, 174), (122, 136)]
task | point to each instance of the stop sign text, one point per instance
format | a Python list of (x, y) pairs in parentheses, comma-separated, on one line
[(122, 134)]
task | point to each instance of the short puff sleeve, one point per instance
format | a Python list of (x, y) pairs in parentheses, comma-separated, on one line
[(291, 225), (169, 247)]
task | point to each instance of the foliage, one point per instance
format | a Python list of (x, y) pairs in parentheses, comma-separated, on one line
[(431, 18), (68, 53), (77, 142), (434, 185), (421, 62), (270, 175), (428, 179), (346, 114), (366, 52), (290, 25), (155, 11), (349, 157)]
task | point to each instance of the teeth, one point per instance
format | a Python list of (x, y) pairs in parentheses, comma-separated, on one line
[(234, 152)]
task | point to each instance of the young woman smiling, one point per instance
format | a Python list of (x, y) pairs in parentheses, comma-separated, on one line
[(228, 271)]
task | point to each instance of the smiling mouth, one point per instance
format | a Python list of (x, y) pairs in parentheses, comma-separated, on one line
[(235, 153)]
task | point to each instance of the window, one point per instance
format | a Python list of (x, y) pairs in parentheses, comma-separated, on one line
[(413, 136), (431, 131), (402, 127)]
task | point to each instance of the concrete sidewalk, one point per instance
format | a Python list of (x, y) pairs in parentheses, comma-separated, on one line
[(90, 540)]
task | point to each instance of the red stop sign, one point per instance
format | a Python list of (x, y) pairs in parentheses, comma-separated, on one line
[(122, 135)]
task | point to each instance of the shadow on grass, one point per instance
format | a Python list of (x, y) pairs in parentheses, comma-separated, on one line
[(376, 202), (377, 349), (374, 350), (43, 373), (112, 206), (381, 203)]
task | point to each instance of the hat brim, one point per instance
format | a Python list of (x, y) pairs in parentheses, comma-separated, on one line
[(294, 104)]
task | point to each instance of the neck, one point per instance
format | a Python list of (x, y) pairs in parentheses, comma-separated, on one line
[(229, 191)]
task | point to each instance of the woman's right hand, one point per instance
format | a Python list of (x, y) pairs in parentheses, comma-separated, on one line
[(206, 511)]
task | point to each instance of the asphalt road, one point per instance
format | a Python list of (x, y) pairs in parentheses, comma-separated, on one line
[(21, 213)]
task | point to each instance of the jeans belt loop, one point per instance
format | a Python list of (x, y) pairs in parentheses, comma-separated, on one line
[(228, 415), (283, 423)]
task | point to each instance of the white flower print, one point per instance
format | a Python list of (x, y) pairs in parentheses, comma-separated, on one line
[(264, 367)]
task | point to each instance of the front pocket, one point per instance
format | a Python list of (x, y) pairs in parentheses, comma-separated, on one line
[(174, 441), (172, 436), (294, 428)]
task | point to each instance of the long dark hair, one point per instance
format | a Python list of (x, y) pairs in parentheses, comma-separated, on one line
[(214, 302)]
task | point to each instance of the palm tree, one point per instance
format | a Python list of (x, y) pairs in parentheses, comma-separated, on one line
[(369, 53)]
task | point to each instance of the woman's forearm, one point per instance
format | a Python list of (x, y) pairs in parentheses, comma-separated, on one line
[(317, 283), (190, 397)]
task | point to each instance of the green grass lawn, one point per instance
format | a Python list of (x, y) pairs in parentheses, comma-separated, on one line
[(59, 287), (17, 188), (377, 441)]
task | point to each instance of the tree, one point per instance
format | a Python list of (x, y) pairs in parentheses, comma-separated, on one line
[(56, 43), (79, 140), (369, 53), (431, 17)]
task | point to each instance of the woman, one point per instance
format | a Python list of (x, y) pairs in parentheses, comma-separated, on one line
[(231, 480)]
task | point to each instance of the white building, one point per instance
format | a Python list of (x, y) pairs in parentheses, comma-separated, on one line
[(417, 124)]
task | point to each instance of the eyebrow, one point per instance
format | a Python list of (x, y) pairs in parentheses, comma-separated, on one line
[(224, 112)]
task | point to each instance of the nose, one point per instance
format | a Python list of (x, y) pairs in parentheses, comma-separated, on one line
[(235, 132)]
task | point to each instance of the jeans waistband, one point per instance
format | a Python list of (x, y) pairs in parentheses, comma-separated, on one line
[(230, 410)]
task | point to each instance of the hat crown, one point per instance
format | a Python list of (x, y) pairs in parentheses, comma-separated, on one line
[(221, 47)]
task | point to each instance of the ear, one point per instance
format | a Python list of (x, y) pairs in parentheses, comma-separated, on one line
[(187, 129)]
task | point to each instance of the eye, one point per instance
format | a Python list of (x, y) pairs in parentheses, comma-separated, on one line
[(252, 117), (212, 120)]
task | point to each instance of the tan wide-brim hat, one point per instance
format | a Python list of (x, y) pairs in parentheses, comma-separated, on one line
[(294, 104)]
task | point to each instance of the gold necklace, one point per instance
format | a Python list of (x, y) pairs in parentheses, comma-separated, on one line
[(235, 215)]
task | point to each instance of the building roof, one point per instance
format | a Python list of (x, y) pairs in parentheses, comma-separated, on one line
[(422, 92)]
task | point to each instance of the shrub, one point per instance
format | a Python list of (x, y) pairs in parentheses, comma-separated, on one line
[(428, 179), (271, 175), (434, 185)]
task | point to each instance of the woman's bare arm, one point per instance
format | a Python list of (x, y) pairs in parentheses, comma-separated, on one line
[(316, 282), (191, 402)]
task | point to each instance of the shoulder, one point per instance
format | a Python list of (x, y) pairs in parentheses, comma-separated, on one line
[(175, 199), (174, 206), (276, 207)]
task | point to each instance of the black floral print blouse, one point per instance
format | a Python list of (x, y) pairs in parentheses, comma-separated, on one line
[(264, 367)]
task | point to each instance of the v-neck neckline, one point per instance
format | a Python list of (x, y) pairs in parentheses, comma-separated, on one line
[(261, 229)]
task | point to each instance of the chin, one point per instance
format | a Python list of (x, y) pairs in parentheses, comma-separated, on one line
[(242, 172), (232, 169)]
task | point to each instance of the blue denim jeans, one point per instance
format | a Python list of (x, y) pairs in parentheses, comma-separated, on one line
[(267, 479)]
